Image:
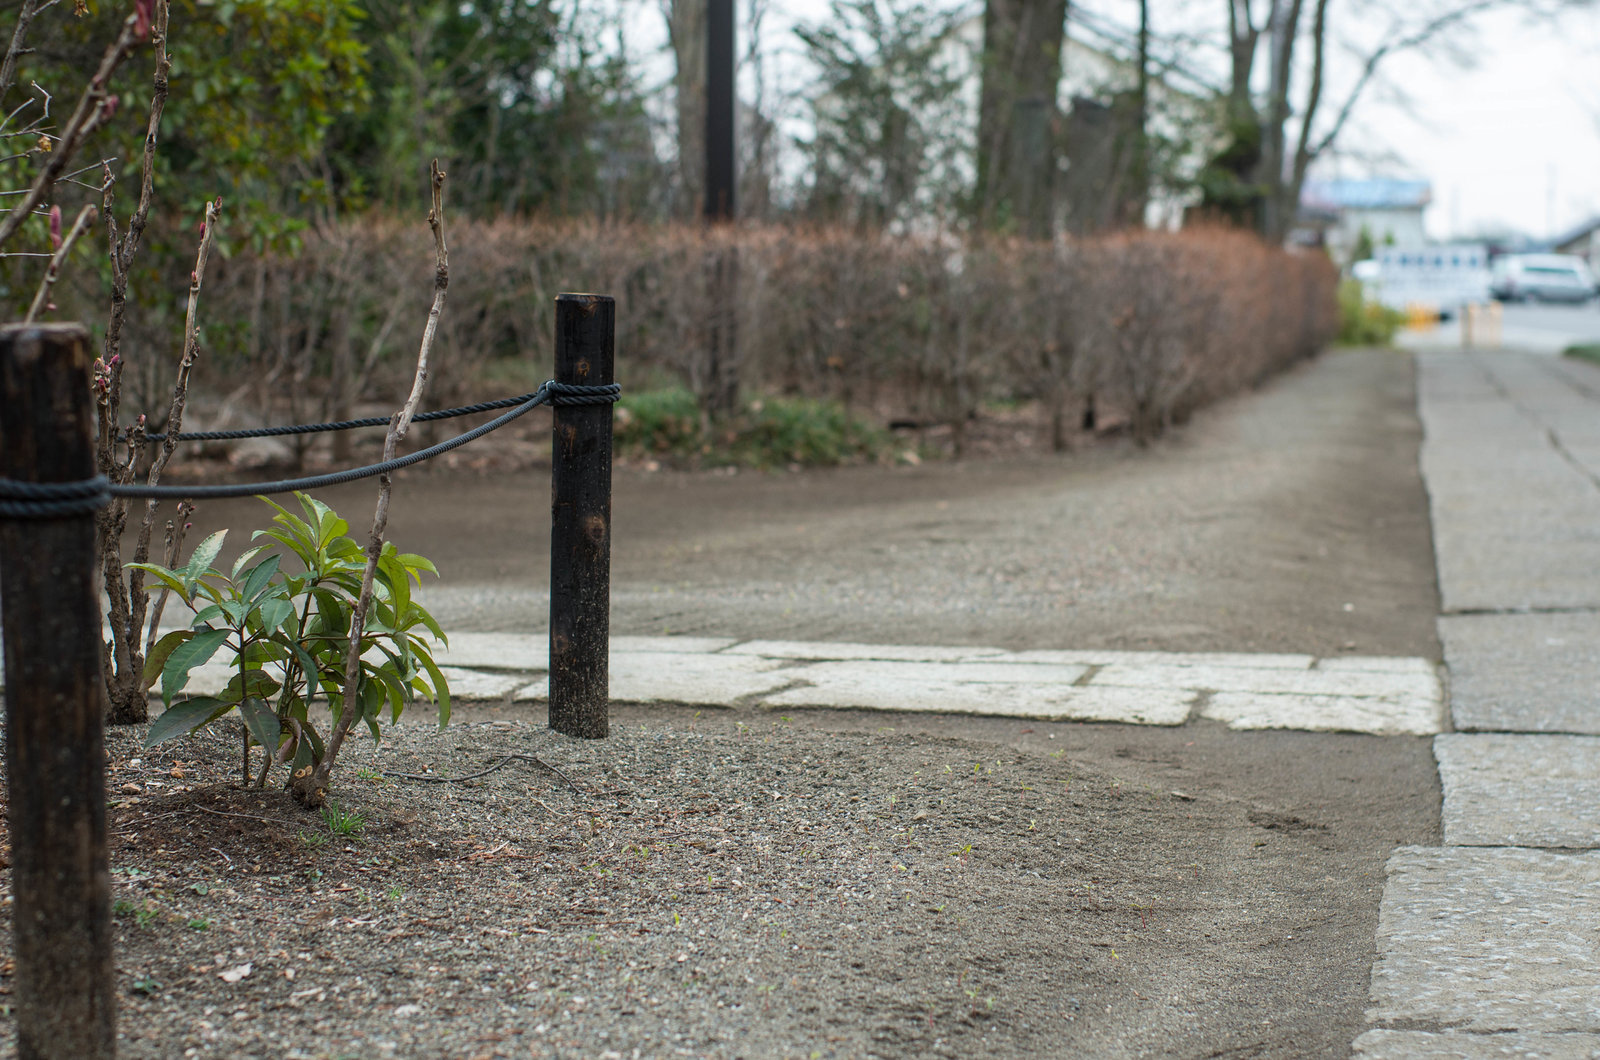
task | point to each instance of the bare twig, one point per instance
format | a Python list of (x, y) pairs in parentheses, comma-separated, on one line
[(311, 784), (94, 107), (176, 529), (128, 599), (123, 251), (8, 68), (41, 297), (123, 662)]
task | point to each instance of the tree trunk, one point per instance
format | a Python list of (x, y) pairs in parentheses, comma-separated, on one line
[(686, 27), (1017, 116)]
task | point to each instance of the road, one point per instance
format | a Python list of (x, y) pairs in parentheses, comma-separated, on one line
[(1526, 328)]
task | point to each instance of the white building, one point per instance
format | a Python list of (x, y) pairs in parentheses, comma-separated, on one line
[(1388, 211)]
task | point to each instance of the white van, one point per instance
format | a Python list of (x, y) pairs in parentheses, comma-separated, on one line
[(1543, 278)]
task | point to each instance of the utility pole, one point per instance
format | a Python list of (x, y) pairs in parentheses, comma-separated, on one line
[(722, 354), (721, 178)]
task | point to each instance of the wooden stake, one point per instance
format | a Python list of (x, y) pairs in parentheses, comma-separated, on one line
[(580, 522), (55, 707)]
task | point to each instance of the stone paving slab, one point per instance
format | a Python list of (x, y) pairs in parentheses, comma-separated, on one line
[(1009, 691), (1523, 672), (1452, 1045), (1517, 790), (825, 651), (1109, 657), (1516, 524), (1373, 694), (1294, 682), (1487, 940), (1400, 715), (683, 677)]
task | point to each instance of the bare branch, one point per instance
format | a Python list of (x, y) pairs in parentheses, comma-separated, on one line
[(138, 599), (94, 108), (8, 68), (86, 217), (1397, 42), (122, 253), (310, 786)]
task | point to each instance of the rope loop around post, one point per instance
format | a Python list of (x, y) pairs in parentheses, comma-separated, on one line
[(53, 500)]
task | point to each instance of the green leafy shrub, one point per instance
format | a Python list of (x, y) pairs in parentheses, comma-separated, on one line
[(1363, 322), (286, 636), (665, 422), (1584, 352), (805, 431), (767, 433)]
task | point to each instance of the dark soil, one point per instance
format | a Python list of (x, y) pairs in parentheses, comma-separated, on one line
[(734, 884)]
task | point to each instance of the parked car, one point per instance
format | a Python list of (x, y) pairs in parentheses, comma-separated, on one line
[(1541, 277)]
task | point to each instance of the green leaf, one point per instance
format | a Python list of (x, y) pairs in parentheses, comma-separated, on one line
[(184, 717), (441, 687), (308, 668), (305, 549), (414, 562), (274, 613), (158, 655), (246, 556), (262, 722), (260, 578), (207, 616), (186, 657), (256, 684), (201, 559), (398, 580), (169, 578)]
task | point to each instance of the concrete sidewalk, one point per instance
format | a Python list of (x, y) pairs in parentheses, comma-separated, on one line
[(1489, 946)]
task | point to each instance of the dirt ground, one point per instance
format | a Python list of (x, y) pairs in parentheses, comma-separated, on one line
[(832, 884), (1291, 519)]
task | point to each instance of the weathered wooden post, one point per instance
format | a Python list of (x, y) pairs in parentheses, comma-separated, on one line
[(55, 705), (580, 521)]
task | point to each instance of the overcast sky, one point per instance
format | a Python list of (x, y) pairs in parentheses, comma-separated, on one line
[(1513, 141)]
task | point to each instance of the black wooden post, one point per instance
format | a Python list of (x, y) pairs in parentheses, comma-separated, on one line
[(55, 707), (580, 521)]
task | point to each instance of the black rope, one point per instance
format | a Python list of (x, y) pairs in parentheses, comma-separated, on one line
[(51, 500), (340, 425)]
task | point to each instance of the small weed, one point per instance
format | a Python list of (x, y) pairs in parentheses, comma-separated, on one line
[(146, 986), (343, 822), (395, 894), (961, 851), (200, 923), (313, 839), (122, 907)]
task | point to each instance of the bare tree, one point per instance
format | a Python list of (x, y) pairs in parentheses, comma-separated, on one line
[(1017, 114), (1256, 178)]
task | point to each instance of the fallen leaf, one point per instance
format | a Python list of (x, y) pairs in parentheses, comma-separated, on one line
[(233, 975)]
